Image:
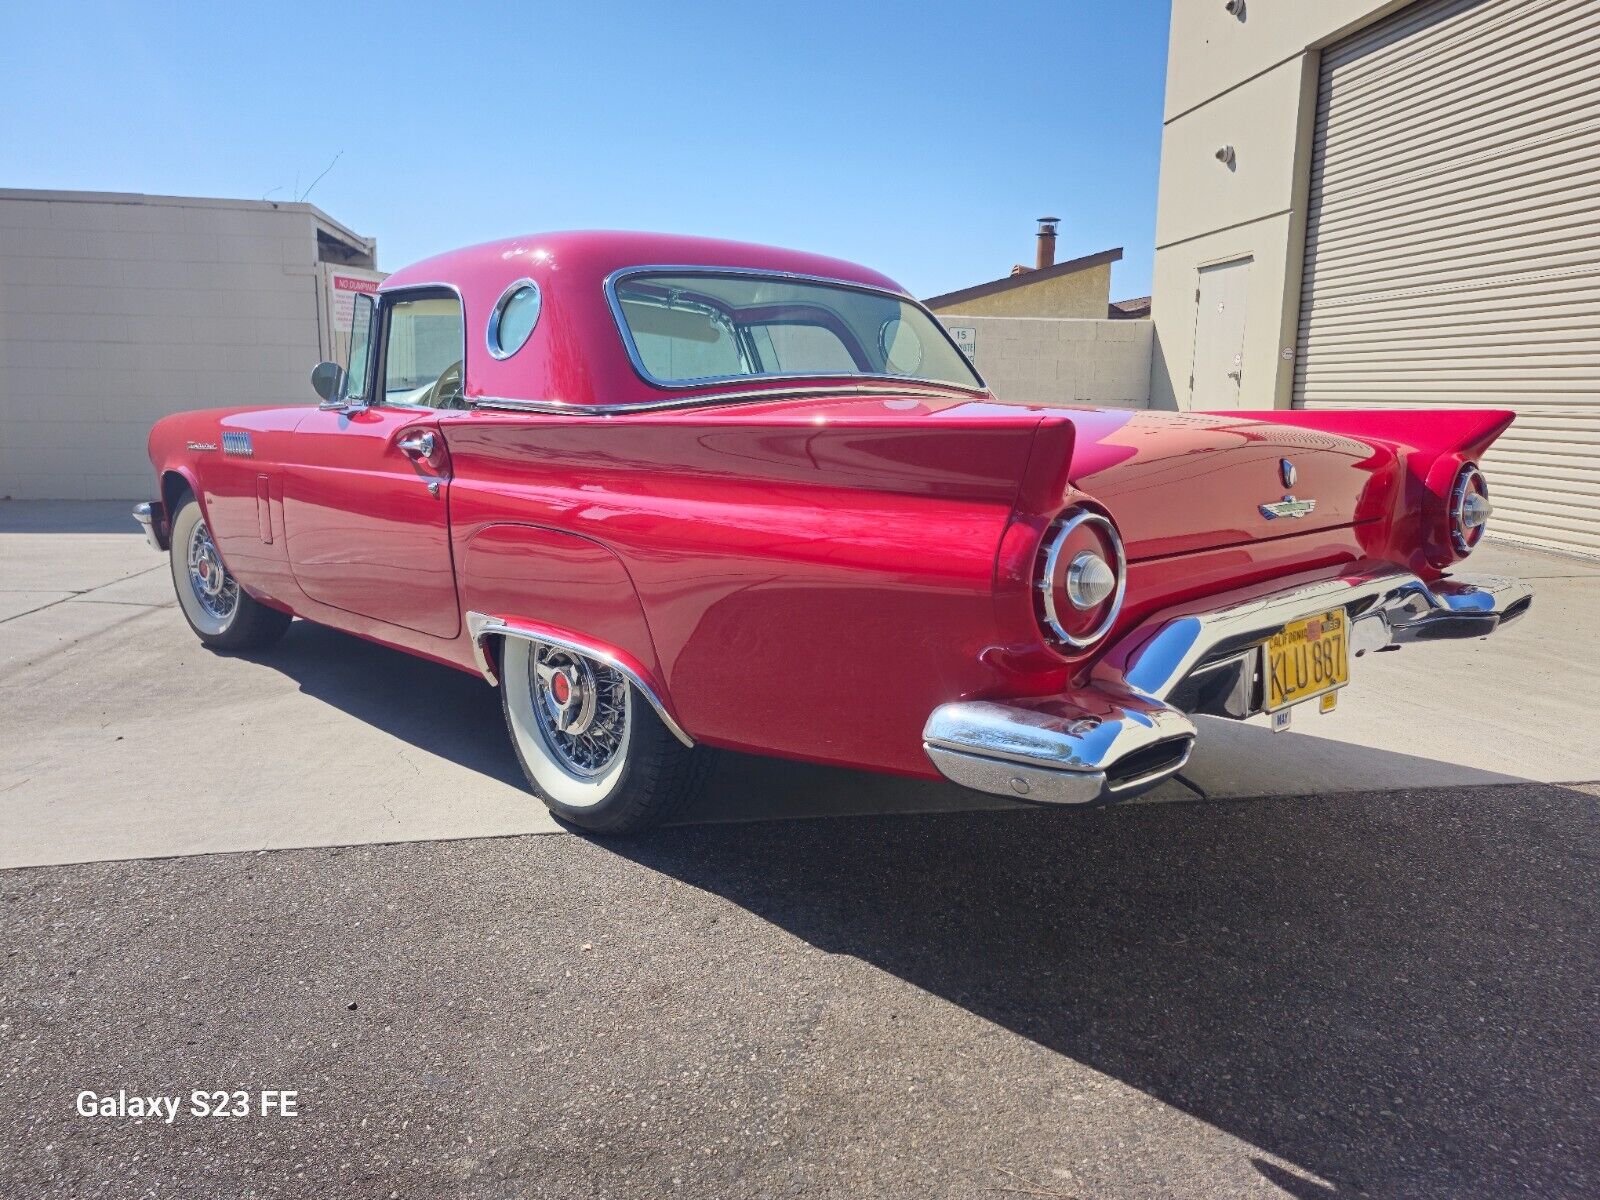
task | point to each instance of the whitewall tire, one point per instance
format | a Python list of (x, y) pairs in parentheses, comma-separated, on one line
[(221, 613), (591, 746)]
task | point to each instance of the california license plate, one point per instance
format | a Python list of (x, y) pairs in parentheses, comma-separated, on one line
[(1307, 658)]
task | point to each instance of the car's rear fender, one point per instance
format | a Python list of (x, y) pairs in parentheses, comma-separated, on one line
[(549, 585), (1432, 446)]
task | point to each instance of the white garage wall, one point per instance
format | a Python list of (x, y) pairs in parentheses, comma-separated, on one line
[(1058, 360), (118, 309)]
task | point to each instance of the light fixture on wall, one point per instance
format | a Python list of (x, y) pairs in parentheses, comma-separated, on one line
[(1236, 7), (1226, 157)]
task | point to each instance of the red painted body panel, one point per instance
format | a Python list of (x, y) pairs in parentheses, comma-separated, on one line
[(366, 533), (797, 575), (569, 582)]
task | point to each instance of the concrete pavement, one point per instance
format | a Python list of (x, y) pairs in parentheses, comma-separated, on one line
[(126, 739)]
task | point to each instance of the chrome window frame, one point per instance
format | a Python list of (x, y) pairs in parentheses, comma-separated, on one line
[(345, 403), (381, 347), (626, 334), (491, 331), (562, 408)]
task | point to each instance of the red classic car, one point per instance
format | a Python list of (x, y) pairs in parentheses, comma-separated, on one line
[(670, 494)]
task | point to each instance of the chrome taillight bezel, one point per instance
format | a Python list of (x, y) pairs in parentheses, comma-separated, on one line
[(1462, 539), (1055, 542)]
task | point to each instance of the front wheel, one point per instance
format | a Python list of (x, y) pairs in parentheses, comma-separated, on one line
[(222, 614), (592, 747)]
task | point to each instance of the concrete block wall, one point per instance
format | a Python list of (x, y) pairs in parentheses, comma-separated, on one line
[(116, 310), (1056, 360)]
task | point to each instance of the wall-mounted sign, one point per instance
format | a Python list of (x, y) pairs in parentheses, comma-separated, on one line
[(967, 338), (343, 288)]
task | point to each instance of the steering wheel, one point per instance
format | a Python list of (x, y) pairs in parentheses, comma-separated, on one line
[(446, 390)]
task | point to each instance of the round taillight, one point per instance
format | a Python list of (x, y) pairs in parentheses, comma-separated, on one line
[(1469, 508), (1080, 579)]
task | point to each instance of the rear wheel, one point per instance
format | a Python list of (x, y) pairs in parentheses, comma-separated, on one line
[(220, 612), (592, 747)]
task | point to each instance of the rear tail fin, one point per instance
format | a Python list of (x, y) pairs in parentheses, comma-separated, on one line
[(1434, 445), (1420, 434)]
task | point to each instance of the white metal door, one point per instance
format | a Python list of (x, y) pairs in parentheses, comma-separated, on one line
[(1453, 241), (1218, 371)]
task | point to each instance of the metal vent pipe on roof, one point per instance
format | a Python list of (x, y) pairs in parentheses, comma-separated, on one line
[(1046, 256)]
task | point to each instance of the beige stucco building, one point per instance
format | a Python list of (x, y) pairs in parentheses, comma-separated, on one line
[(117, 309), (1370, 203), (1079, 288)]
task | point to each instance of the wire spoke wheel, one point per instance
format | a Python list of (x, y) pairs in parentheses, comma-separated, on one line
[(590, 739), (216, 591), (221, 612), (581, 708)]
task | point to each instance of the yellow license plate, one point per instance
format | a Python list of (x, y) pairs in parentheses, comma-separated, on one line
[(1307, 658)]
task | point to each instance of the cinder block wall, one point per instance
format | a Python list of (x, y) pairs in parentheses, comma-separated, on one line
[(118, 309), (1055, 360)]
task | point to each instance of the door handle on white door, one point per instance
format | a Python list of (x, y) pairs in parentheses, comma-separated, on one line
[(418, 445), (1236, 376)]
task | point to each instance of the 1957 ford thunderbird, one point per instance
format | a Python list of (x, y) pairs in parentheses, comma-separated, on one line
[(669, 494)]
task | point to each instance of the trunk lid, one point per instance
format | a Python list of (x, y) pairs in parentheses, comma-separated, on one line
[(1177, 483)]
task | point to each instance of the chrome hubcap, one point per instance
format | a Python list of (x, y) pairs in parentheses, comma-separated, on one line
[(214, 588), (581, 707)]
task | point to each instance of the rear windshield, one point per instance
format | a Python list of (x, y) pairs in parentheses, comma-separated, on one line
[(699, 328)]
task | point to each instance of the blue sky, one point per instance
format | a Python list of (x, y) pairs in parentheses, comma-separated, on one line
[(919, 138)]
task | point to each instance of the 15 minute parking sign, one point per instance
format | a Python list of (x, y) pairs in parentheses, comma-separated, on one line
[(967, 338)]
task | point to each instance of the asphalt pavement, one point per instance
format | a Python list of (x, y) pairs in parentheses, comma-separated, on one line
[(1376, 995)]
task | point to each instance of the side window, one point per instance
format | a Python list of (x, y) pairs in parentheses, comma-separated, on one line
[(423, 344), (355, 378)]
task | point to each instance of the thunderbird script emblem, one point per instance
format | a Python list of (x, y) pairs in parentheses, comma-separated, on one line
[(1288, 507)]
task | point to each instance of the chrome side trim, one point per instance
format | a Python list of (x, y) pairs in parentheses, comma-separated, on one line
[(480, 626), (710, 400), (643, 372)]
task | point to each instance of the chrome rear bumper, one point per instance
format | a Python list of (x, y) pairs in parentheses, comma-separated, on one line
[(1129, 730)]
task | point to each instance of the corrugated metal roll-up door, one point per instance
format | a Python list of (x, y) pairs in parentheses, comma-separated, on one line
[(1453, 241)]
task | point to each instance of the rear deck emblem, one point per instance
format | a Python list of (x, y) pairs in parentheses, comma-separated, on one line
[(1288, 507), (1287, 472)]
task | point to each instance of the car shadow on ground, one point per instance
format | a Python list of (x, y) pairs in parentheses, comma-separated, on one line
[(435, 708), (461, 721), (1394, 991)]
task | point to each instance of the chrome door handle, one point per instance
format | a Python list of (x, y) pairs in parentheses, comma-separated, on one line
[(418, 445)]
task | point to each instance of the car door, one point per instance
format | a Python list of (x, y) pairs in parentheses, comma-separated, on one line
[(365, 505)]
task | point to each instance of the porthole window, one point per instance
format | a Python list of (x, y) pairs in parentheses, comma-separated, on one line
[(514, 316)]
